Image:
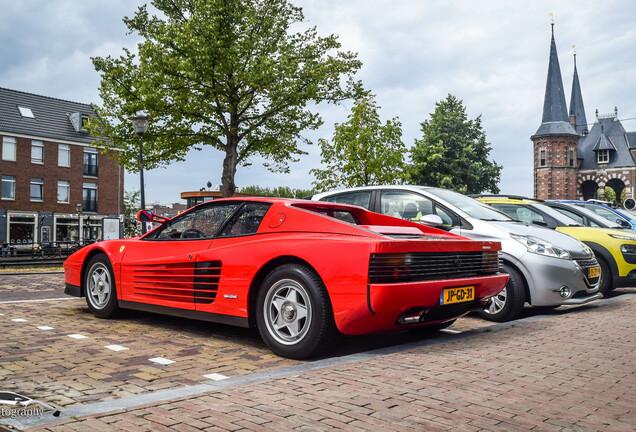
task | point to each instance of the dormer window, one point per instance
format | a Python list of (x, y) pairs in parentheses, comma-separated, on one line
[(26, 112), (602, 156), (85, 120)]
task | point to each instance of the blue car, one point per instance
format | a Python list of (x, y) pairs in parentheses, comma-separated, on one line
[(620, 216)]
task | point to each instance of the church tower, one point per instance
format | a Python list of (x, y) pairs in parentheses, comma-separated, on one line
[(555, 142)]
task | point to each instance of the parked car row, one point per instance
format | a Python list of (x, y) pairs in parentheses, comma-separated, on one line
[(353, 261), (565, 265)]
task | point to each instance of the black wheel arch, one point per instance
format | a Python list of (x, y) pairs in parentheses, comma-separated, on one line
[(601, 251), (262, 273), (87, 259), (526, 288)]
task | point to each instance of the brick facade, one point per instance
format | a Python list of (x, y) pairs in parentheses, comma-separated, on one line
[(109, 180), (556, 177)]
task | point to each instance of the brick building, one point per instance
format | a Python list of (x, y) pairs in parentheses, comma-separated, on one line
[(55, 186), (572, 160)]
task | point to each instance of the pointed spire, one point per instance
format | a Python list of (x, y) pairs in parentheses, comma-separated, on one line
[(576, 102), (555, 119)]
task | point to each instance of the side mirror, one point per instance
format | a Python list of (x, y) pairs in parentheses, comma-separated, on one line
[(539, 222), (623, 223), (432, 220), (148, 216)]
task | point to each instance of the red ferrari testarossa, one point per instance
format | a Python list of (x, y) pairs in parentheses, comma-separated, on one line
[(298, 270)]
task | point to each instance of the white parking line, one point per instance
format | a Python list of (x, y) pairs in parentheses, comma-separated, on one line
[(38, 300), (46, 328), (116, 347), (77, 336), (19, 320), (161, 360), (451, 331), (215, 376)]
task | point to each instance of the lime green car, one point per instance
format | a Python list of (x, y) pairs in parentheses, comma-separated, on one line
[(615, 249)]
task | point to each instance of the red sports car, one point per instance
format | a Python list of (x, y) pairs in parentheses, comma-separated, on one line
[(298, 270)]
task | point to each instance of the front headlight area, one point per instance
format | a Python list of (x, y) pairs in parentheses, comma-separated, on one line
[(541, 247)]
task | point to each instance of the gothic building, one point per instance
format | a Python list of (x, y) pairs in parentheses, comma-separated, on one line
[(572, 160)]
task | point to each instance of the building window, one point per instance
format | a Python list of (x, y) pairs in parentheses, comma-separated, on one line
[(85, 120), (571, 158), (89, 197), (37, 152), (36, 189), (63, 188), (66, 229), (64, 155), (21, 229), (603, 156), (8, 148), (90, 162), (26, 112), (542, 158), (8, 187)]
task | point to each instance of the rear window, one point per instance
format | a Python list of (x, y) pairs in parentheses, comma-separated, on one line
[(339, 214)]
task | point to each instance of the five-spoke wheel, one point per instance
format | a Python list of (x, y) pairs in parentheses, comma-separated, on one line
[(293, 312), (99, 287)]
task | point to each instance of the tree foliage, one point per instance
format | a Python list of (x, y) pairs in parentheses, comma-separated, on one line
[(229, 74), (363, 151), (453, 152), (131, 208), (280, 191)]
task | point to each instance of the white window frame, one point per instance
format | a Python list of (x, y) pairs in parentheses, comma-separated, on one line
[(37, 144), (63, 148), (9, 179), (602, 156), (543, 152), (7, 143), (62, 184), (39, 182)]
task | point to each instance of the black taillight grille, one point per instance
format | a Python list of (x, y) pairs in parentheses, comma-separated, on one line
[(423, 266)]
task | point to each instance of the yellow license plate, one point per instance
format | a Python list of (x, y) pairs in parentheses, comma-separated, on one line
[(457, 295), (594, 272)]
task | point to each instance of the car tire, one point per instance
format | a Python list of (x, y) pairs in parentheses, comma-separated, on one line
[(606, 284), (294, 313), (508, 304), (100, 288)]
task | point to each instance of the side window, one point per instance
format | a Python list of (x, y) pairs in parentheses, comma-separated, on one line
[(570, 214), (202, 222), (405, 205), (359, 198), (246, 221)]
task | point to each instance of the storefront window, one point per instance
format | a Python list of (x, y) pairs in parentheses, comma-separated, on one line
[(92, 230), (21, 229), (66, 229)]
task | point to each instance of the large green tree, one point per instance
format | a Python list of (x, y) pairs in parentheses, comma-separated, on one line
[(231, 74), (453, 152), (363, 151), (280, 191)]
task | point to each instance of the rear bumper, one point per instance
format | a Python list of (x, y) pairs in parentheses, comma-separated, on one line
[(386, 303), (73, 290)]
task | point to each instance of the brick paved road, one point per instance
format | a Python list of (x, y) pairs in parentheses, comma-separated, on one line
[(566, 371)]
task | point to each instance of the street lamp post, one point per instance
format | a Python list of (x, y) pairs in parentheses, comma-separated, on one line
[(140, 124), (78, 207)]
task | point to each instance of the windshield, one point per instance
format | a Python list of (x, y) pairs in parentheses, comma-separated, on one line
[(596, 218), (558, 216), (470, 206)]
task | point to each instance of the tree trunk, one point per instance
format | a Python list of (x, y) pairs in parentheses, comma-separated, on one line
[(229, 167)]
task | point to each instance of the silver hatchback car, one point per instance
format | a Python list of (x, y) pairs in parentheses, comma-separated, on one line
[(546, 268)]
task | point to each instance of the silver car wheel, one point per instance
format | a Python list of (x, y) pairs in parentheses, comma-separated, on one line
[(99, 285), (287, 311), (496, 303)]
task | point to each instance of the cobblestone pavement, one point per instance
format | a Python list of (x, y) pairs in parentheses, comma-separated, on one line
[(564, 371)]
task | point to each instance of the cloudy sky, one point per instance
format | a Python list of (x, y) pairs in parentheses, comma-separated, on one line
[(492, 54)]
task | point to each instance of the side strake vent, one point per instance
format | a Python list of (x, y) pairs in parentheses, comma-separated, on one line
[(423, 266), (206, 281)]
